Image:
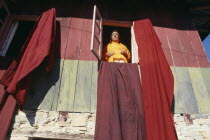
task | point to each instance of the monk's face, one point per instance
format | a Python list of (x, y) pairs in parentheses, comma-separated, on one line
[(115, 36)]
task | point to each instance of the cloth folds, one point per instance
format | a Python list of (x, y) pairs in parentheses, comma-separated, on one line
[(157, 83), (7, 108), (37, 50), (120, 114)]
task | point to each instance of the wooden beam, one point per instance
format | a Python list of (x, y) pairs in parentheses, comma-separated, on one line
[(204, 7), (50, 135), (196, 1), (25, 17), (201, 18), (117, 23), (202, 30), (29, 17)]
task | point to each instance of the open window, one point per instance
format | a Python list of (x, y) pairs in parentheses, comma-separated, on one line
[(18, 31), (96, 39), (101, 30)]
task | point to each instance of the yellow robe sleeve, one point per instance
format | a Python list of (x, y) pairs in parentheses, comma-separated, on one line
[(128, 56)]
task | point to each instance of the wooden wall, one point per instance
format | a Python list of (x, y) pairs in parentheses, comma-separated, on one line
[(191, 69), (72, 84)]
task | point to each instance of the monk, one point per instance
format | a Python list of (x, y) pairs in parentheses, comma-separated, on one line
[(116, 51)]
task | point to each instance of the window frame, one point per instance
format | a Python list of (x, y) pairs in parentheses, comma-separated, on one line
[(7, 26), (97, 53), (128, 24)]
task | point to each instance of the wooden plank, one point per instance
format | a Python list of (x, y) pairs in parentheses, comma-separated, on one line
[(200, 90), (187, 49), (77, 23), (185, 91), (83, 87), (85, 53), (198, 49), (64, 39), (94, 86), (161, 33), (44, 88), (65, 22), (178, 106), (74, 39), (206, 76), (51, 100), (174, 44), (82, 102), (73, 45), (118, 23), (67, 87), (38, 90), (165, 44), (52, 87), (69, 76)]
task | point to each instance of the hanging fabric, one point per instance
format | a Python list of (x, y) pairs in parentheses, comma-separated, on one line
[(157, 83), (120, 114), (37, 50)]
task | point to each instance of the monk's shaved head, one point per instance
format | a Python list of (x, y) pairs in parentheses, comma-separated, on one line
[(115, 36)]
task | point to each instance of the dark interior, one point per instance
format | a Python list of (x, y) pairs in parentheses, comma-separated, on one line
[(21, 34), (125, 35)]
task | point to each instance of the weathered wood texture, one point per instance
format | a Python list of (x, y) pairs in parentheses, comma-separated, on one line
[(186, 56), (72, 85)]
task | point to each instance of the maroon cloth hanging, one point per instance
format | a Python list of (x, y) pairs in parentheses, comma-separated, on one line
[(120, 114), (7, 102), (38, 49), (157, 83), (7, 108)]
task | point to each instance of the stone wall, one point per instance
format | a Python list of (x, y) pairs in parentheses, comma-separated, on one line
[(81, 126), (51, 124), (199, 129)]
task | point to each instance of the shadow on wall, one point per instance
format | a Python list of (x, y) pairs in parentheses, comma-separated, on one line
[(43, 82)]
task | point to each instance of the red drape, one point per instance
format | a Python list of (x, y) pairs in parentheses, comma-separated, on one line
[(7, 101), (39, 47), (119, 103), (157, 83), (37, 50)]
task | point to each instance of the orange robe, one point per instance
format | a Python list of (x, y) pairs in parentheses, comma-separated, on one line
[(116, 48)]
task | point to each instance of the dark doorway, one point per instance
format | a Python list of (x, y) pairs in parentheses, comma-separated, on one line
[(21, 34)]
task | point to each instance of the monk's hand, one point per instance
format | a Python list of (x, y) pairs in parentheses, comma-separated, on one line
[(123, 52), (109, 54)]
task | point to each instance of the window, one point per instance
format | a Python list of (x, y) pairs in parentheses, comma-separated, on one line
[(101, 30), (125, 35), (15, 37), (96, 40)]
